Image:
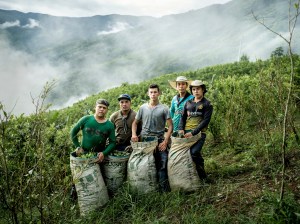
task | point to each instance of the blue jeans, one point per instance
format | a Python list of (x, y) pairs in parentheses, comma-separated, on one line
[(161, 160)]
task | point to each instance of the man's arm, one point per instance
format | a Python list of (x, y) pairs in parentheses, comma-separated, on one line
[(74, 131), (172, 109), (170, 129), (134, 136), (112, 142), (181, 125), (163, 146), (110, 146)]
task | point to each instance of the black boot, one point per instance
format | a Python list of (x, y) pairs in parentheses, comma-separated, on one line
[(73, 193), (201, 172)]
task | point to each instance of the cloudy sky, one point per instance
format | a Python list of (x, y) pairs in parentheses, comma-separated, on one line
[(21, 77), (81, 8)]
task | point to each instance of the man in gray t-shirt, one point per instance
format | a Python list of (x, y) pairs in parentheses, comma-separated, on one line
[(154, 117)]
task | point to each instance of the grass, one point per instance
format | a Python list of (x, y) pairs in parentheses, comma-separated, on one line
[(239, 192), (243, 187)]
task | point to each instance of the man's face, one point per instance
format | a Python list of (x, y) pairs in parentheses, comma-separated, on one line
[(153, 93), (124, 104), (197, 91), (101, 110), (181, 87)]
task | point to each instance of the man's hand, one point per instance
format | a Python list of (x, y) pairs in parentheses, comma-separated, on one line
[(181, 133), (188, 135), (162, 146), (134, 138), (79, 151), (100, 157)]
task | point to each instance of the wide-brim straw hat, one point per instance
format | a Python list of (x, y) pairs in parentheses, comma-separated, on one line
[(179, 79)]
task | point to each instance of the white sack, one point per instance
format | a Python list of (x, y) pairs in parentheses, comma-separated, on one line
[(91, 190), (141, 170), (182, 172)]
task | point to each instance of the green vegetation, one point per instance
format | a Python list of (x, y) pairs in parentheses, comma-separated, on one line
[(242, 154)]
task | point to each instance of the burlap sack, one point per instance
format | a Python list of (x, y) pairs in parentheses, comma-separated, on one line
[(115, 170), (91, 190), (141, 170), (182, 172)]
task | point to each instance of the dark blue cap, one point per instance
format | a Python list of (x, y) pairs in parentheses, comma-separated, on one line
[(124, 97)]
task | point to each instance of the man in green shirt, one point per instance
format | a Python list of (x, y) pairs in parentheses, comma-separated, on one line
[(96, 130)]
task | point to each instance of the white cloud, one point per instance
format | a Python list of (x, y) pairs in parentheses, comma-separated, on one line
[(22, 75), (9, 24), (117, 27), (32, 24)]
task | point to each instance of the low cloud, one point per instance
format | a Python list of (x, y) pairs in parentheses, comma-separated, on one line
[(32, 23), (117, 27), (9, 24), (22, 77)]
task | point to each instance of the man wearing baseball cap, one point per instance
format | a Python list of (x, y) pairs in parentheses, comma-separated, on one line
[(122, 120), (181, 84)]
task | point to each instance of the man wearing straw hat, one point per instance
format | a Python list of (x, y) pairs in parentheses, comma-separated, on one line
[(195, 119), (180, 84)]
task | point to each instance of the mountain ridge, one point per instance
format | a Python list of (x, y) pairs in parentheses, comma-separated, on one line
[(87, 63)]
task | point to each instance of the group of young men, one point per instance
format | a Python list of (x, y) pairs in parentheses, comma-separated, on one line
[(189, 114)]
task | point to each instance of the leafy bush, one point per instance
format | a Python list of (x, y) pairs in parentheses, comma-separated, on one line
[(244, 140)]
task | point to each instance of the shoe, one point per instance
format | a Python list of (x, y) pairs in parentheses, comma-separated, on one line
[(201, 172), (73, 193)]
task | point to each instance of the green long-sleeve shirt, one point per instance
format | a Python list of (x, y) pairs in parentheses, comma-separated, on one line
[(94, 135)]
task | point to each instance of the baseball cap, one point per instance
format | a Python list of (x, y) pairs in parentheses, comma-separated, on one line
[(124, 97)]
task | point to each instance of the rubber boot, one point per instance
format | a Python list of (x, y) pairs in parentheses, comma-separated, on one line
[(201, 172), (73, 193)]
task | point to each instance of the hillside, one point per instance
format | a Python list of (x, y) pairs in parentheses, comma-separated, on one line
[(243, 154), (84, 63), (214, 35)]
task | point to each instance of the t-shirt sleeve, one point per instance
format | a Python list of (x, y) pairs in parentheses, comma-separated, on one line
[(167, 112), (138, 115)]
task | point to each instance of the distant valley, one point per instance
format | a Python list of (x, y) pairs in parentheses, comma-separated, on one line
[(91, 54)]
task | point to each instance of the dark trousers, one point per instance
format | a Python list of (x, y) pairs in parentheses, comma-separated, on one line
[(161, 160), (120, 147), (197, 157)]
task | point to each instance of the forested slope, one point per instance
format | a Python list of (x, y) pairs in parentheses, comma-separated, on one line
[(243, 154)]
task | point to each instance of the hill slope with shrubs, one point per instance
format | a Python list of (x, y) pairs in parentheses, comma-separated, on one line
[(243, 154)]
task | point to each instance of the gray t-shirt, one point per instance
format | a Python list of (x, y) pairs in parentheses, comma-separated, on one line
[(153, 119)]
